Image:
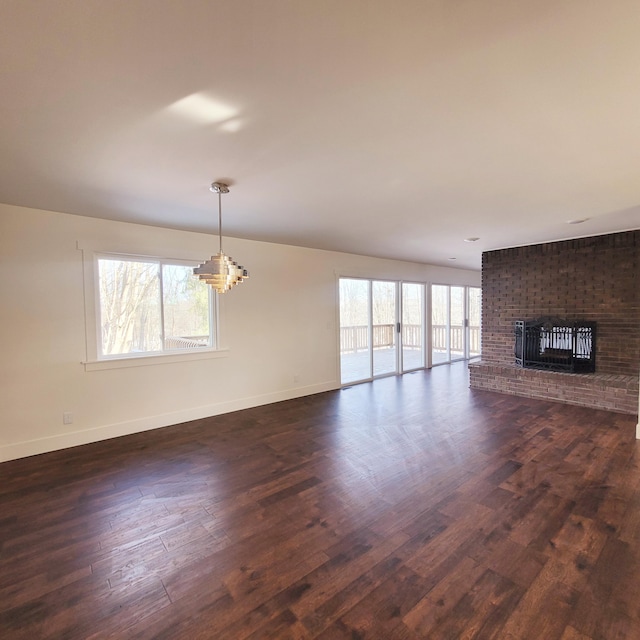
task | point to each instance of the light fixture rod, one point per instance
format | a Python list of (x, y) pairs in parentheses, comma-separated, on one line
[(220, 218), (219, 188)]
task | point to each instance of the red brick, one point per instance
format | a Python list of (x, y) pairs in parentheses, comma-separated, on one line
[(595, 279)]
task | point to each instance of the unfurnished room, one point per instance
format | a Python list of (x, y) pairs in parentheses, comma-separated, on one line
[(320, 320)]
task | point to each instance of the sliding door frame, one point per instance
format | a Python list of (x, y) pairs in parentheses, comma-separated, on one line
[(427, 326)]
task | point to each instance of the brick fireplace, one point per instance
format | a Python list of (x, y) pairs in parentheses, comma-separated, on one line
[(592, 279)]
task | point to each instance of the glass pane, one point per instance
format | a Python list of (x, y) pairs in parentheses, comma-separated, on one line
[(412, 326), (439, 323), (475, 301), (456, 340), (355, 357), (187, 321), (384, 327), (129, 306)]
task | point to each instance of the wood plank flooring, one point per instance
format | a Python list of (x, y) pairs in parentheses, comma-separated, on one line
[(408, 508)]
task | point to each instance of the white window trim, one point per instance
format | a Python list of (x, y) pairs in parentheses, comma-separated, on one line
[(124, 362), (93, 360)]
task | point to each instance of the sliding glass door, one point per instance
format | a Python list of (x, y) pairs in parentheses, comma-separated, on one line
[(413, 329), (455, 323), (385, 320), (382, 328), (475, 305), (440, 335), (355, 330), (457, 345)]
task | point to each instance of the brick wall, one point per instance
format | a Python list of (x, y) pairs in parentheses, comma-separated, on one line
[(594, 278)]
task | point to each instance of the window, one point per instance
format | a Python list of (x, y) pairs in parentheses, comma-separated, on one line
[(149, 306)]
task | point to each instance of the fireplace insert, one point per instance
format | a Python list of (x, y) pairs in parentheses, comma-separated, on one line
[(556, 345)]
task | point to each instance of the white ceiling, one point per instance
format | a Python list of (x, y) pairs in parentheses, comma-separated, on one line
[(392, 129)]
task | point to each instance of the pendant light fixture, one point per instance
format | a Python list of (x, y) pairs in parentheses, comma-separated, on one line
[(221, 272)]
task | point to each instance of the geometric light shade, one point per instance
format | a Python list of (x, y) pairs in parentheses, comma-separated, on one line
[(221, 271)]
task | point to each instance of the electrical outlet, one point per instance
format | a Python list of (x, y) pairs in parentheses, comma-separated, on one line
[(67, 417)]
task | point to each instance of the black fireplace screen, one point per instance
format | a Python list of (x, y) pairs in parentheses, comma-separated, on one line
[(556, 345)]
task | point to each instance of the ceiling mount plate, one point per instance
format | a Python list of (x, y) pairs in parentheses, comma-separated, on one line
[(219, 187)]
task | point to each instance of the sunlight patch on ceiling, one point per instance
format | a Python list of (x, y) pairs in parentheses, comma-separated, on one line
[(232, 125), (203, 109)]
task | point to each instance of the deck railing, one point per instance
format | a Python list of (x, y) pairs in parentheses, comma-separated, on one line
[(185, 342), (356, 338)]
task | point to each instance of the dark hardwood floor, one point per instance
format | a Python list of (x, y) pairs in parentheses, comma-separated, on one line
[(408, 508)]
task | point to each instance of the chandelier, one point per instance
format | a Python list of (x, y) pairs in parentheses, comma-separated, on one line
[(221, 271)]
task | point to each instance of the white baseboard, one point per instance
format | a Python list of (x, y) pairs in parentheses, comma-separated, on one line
[(95, 434)]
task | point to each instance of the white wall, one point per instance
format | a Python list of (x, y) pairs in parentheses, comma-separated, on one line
[(281, 323)]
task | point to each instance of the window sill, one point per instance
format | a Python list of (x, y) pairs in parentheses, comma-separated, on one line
[(162, 358)]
